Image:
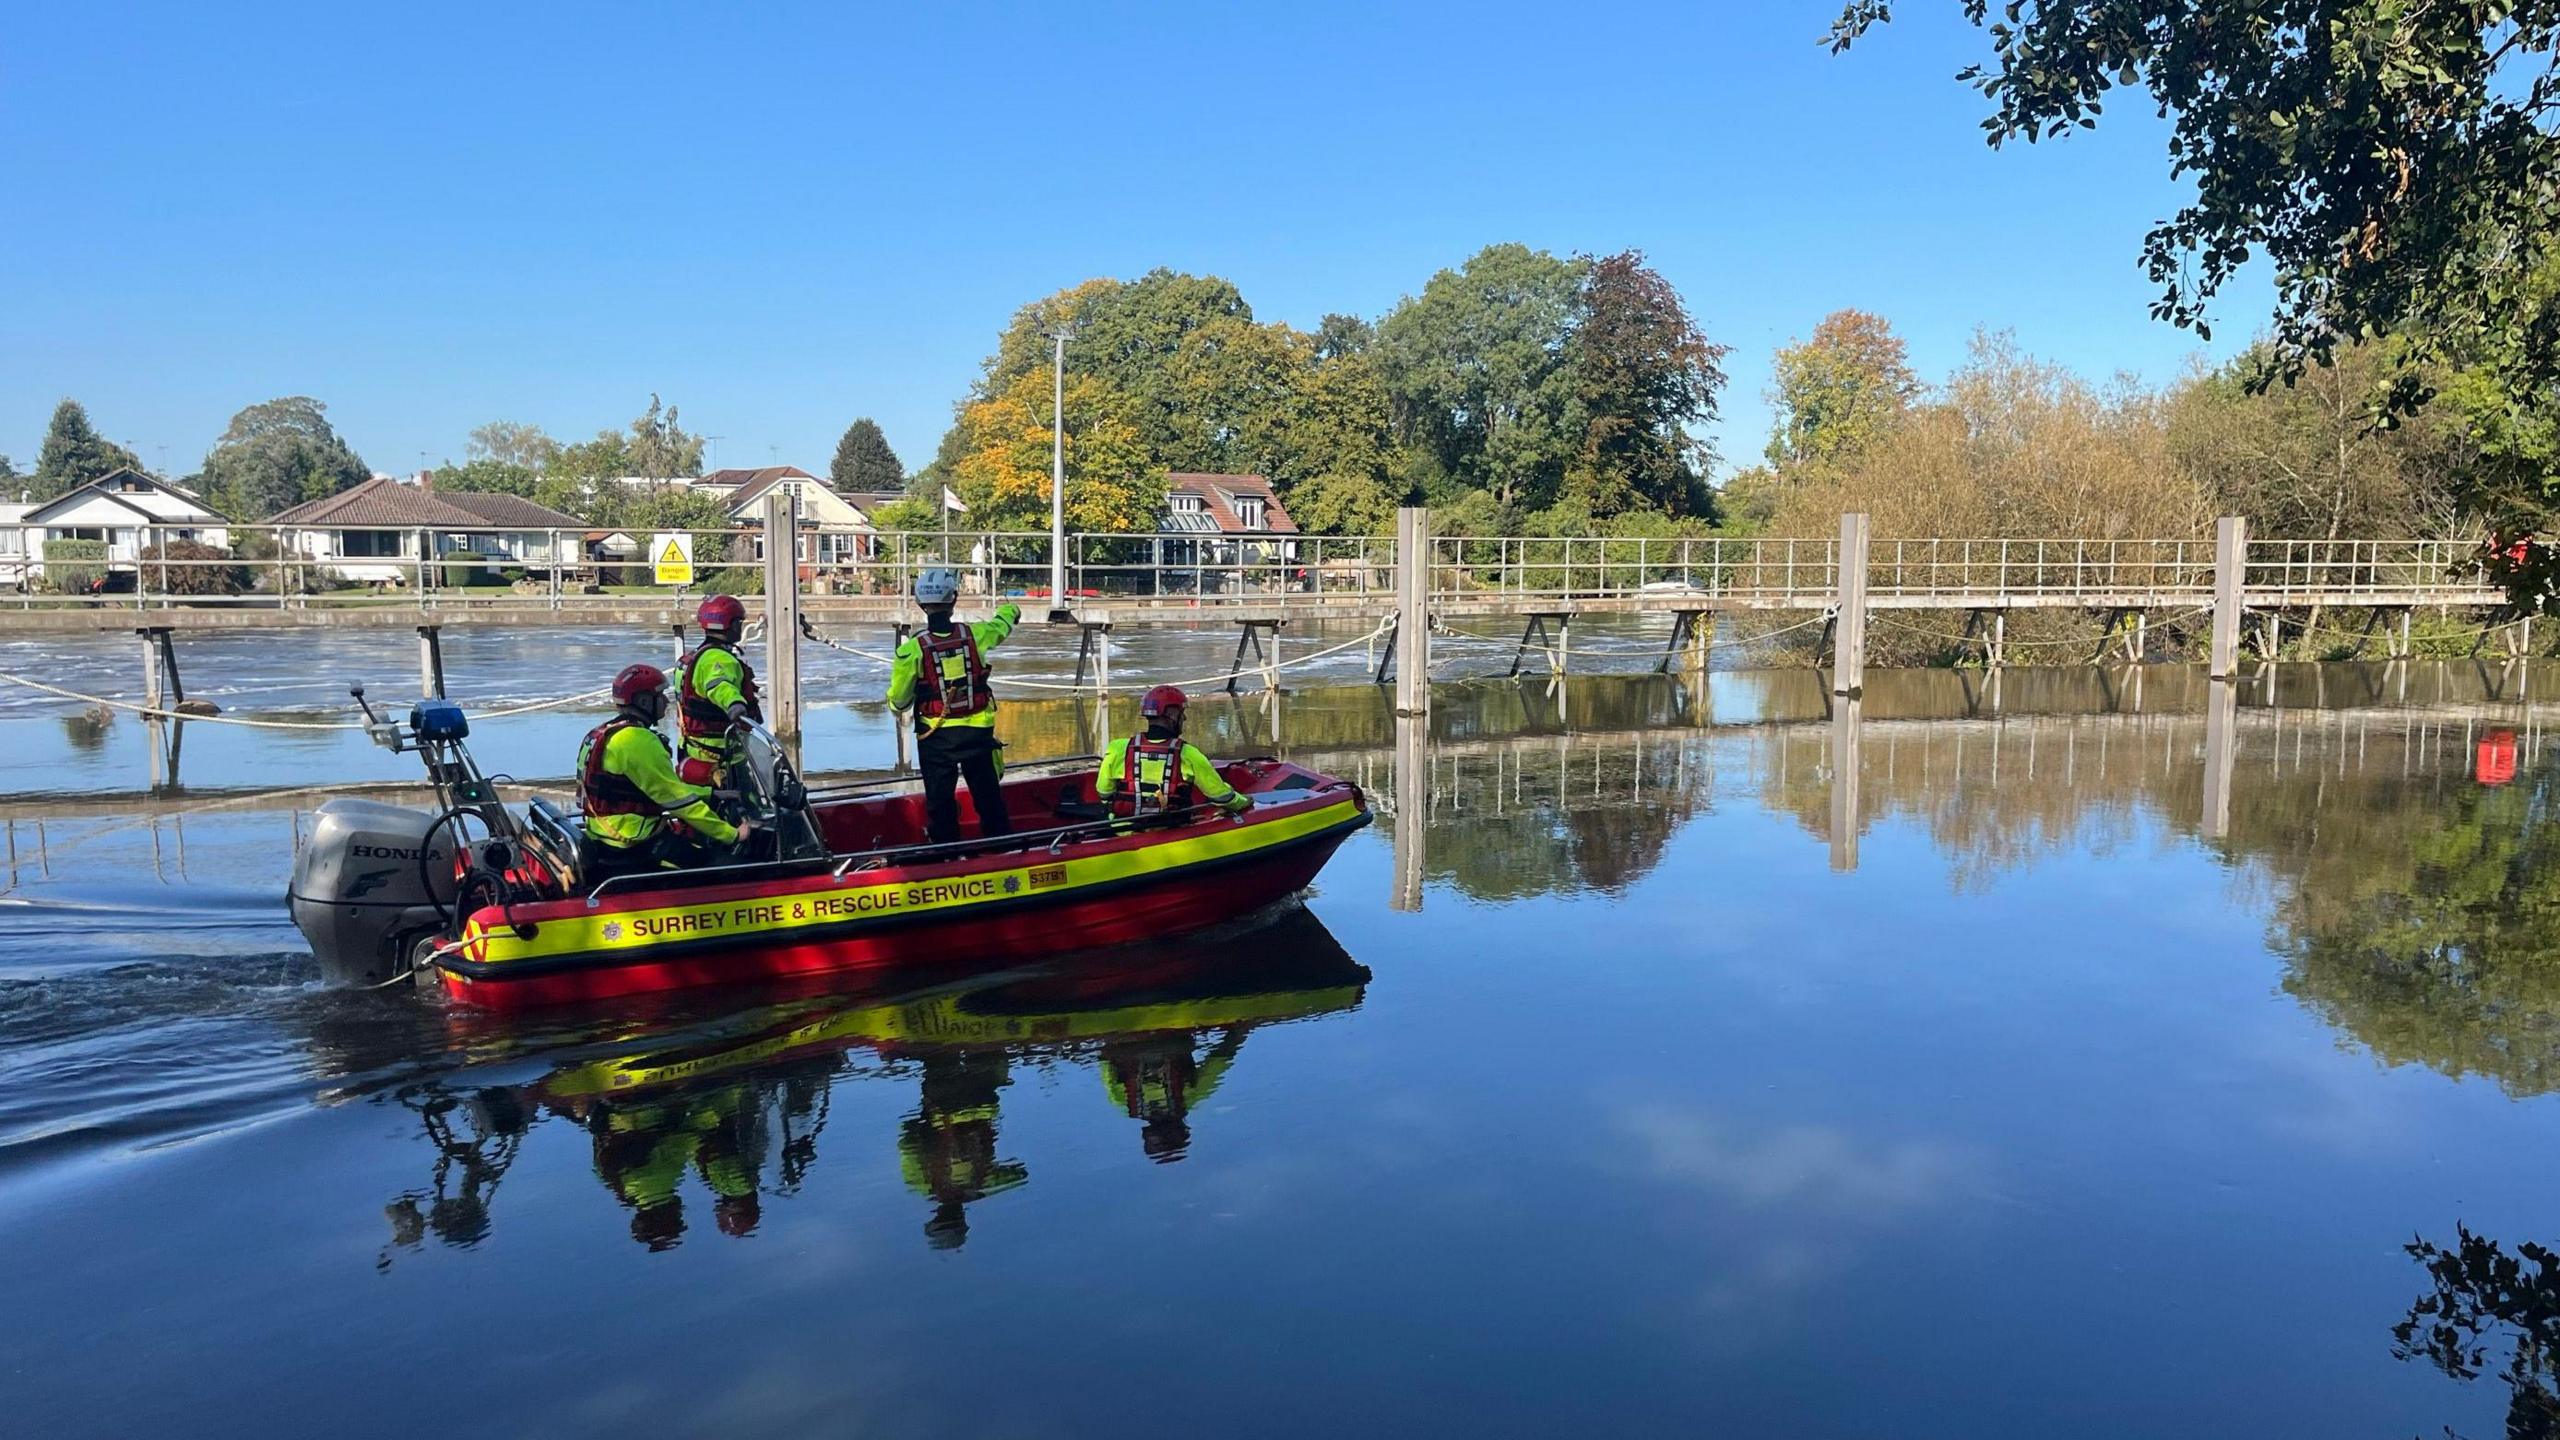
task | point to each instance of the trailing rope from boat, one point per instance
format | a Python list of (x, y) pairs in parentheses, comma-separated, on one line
[(163, 713), (159, 713)]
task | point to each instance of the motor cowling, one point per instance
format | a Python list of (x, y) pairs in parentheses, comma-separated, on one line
[(368, 886)]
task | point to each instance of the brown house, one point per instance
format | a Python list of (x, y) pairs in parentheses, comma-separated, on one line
[(1198, 504)]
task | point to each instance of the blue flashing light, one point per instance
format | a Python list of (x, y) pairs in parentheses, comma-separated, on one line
[(439, 720)]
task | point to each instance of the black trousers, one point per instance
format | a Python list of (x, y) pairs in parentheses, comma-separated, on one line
[(948, 755), (599, 862)]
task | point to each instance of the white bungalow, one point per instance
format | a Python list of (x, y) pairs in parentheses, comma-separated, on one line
[(13, 544), (128, 511)]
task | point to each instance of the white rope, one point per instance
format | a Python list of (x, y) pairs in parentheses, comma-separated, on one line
[(165, 714), (579, 699), (158, 713)]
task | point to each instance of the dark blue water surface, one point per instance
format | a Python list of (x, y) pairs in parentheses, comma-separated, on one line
[(2040, 1082)]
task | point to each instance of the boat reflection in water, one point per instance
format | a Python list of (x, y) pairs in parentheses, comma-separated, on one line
[(738, 1115)]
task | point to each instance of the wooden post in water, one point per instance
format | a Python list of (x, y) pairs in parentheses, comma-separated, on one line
[(782, 615), (2230, 562), (150, 669), (1849, 640), (1413, 613), (430, 662)]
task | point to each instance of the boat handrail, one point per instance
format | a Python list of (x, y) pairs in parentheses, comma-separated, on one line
[(1054, 836), (689, 873), (948, 849), (857, 787)]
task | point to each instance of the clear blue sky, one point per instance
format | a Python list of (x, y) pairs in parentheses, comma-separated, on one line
[(431, 217)]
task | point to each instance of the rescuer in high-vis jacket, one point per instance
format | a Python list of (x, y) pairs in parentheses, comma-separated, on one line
[(1159, 771), (941, 670), (715, 692), (639, 814)]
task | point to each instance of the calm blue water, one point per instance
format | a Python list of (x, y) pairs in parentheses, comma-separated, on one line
[(2028, 1096)]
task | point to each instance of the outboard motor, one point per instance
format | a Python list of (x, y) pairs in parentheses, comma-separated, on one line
[(370, 889), (374, 889)]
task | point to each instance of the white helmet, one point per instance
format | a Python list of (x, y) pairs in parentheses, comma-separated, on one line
[(938, 586)]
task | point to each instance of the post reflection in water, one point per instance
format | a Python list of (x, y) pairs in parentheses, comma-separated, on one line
[(2221, 724), (1847, 768), (1494, 790), (737, 1117)]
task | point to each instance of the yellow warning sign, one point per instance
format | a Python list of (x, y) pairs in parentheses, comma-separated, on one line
[(671, 555)]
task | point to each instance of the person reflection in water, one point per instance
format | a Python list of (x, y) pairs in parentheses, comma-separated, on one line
[(1157, 1080), (642, 1153), (476, 1139), (947, 1149)]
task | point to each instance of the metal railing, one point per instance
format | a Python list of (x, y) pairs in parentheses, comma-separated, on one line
[(254, 566)]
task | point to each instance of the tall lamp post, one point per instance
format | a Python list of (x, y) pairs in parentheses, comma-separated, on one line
[(1058, 480)]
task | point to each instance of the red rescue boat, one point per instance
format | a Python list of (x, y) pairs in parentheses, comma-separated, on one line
[(878, 898), (843, 881)]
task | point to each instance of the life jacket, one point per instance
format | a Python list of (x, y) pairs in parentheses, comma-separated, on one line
[(951, 676), (699, 718), (600, 791), (1151, 778)]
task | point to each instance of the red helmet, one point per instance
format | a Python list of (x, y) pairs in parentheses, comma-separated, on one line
[(1156, 702), (721, 612), (636, 681)]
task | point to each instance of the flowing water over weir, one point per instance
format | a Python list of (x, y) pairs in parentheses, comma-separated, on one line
[(2048, 1052)]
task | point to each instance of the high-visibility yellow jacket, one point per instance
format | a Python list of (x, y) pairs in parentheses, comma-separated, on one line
[(1157, 776), (716, 674), (905, 665), (635, 755)]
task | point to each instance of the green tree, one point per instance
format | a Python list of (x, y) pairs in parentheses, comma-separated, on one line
[(488, 476), (1338, 336), (1475, 371), (864, 460), (1642, 372), (662, 449), (1337, 504), (278, 455), (1167, 342), (518, 446), (74, 454), (2392, 161), (1836, 392), (1003, 473), (605, 457), (2318, 459)]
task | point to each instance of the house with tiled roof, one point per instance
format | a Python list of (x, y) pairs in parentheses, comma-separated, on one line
[(378, 531), (1223, 505), (1224, 519), (834, 532)]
